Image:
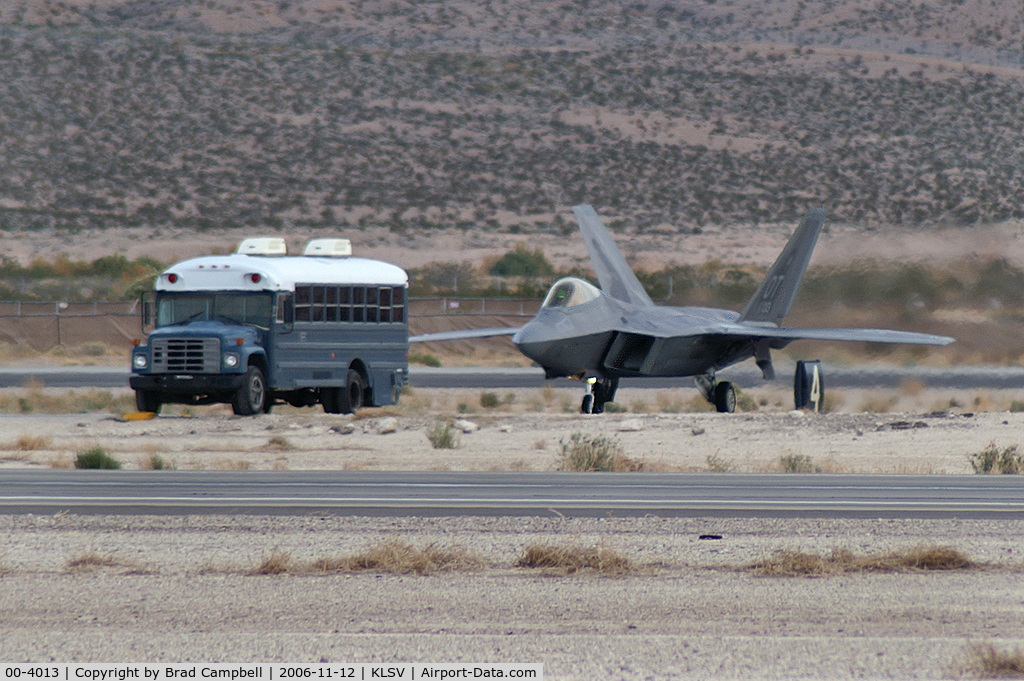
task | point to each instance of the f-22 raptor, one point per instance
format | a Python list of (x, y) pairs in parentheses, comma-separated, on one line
[(616, 331)]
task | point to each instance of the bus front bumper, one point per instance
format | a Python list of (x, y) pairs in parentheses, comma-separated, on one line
[(194, 384)]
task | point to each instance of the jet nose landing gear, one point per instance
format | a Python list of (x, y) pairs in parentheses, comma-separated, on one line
[(601, 391)]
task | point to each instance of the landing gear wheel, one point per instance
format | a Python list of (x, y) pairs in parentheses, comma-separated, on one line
[(725, 397), (147, 400), (350, 398), (588, 404), (251, 397)]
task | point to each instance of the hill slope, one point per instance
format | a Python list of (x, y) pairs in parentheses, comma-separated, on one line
[(670, 116)]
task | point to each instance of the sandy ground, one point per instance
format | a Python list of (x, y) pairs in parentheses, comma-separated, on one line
[(527, 432), (181, 589)]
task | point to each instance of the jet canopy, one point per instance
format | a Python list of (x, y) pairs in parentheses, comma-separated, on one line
[(570, 292)]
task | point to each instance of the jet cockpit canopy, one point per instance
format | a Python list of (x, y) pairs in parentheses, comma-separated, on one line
[(570, 292)]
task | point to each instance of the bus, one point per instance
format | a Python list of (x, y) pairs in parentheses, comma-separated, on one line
[(259, 327)]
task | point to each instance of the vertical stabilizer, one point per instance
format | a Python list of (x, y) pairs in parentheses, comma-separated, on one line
[(775, 295), (613, 273)]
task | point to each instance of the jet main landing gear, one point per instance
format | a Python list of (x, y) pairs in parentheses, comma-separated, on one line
[(601, 391), (722, 394)]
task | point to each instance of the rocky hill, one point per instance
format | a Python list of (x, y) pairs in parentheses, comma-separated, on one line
[(669, 116)]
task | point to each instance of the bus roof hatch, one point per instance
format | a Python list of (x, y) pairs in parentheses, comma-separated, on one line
[(329, 248), (263, 246)]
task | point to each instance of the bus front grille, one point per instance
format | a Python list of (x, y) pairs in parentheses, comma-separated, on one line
[(186, 355)]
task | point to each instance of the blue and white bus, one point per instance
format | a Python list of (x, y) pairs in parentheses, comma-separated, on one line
[(260, 327)]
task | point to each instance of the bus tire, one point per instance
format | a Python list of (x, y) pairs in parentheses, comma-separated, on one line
[(147, 400), (251, 397), (350, 398)]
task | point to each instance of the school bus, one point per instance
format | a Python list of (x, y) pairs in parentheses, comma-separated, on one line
[(259, 327)]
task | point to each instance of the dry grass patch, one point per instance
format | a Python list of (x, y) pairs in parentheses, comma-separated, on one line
[(574, 558), (277, 563), (278, 443), (394, 557), (37, 400), (402, 558), (988, 662), (28, 443), (92, 560), (923, 557), (233, 465)]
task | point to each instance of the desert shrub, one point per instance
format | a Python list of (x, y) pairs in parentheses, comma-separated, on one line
[(992, 459), (424, 358), (489, 400), (158, 463), (986, 661), (442, 435), (797, 463), (589, 453), (718, 464), (96, 457)]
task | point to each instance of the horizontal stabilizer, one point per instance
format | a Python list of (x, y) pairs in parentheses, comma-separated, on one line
[(613, 272), (460, 335)]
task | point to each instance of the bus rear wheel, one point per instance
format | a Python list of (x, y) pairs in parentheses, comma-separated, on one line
[(251, 397), (350, 398)]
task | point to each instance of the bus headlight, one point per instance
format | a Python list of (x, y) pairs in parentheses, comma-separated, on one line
[(140, 361), (231, 360)]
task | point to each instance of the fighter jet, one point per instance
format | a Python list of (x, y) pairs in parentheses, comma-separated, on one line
[(602, 334)]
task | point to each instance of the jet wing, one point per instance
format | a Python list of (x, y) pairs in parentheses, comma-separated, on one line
[(613, 272), (463, 334), (787, 334)]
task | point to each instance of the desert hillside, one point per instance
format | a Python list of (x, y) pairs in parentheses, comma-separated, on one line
[(174, 116)]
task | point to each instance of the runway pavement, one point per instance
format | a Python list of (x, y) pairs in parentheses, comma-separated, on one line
[(377, 493)]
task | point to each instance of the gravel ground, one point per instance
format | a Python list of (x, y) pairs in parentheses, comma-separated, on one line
[(182, 588)]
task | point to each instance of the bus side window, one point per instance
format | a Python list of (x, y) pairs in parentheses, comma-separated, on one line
[(317, 311), (371, 303), (398, 304), (358, 303), (331, 306), (345, 304), (385, 305), (302, 303)]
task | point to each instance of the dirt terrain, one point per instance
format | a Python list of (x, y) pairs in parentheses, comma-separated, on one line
[(525, 434)]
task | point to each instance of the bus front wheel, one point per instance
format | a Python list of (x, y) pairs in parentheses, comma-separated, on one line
[(251, 397), (147, 400)]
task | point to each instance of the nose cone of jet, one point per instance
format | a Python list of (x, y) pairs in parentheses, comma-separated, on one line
[(530, 339)]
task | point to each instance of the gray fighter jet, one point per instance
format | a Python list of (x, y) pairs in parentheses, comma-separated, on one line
[(615, 331)]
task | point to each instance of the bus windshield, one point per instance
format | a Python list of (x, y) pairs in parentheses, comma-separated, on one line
[(252, 309)]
